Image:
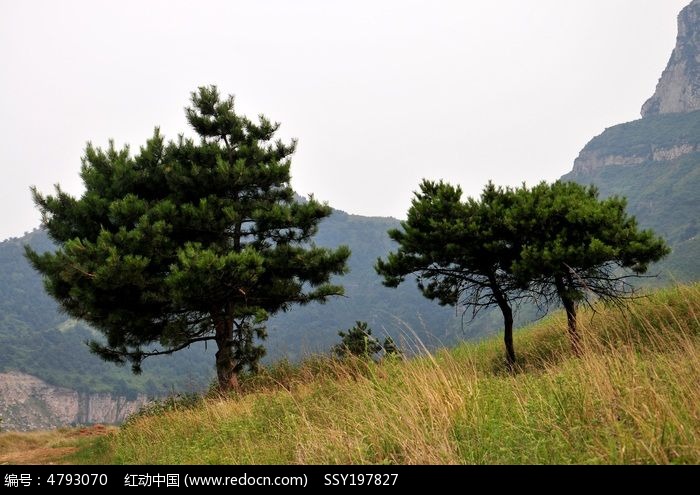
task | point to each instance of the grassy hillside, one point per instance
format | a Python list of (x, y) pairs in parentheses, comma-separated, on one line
[(662, 195), (632, 398)]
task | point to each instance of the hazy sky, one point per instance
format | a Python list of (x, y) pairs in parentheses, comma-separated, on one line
[(380, 93)]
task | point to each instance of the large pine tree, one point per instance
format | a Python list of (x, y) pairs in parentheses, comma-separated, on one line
[(187, 241)]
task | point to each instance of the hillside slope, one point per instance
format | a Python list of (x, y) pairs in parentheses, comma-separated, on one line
[(632, 398)]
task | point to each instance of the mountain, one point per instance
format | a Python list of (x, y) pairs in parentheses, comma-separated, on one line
[(655, 161), (28, 403)]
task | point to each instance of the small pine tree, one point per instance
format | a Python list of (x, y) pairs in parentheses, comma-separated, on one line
[(459, 251), (391, 350), (358, 341)]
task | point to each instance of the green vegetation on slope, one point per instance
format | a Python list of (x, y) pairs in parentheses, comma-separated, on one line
[(662, 195), (632, 398), (641, 136)]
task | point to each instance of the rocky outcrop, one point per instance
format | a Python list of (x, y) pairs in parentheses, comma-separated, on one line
[(589, 161), (28, 403), (678, 89)]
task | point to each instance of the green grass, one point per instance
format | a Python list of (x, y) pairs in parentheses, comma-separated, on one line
[(632, 398)]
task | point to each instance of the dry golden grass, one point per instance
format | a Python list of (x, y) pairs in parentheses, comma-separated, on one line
[(46, 447), (632, 398)]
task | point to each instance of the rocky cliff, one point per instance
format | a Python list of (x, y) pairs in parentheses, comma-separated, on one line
[(28, 403), (653, 139), (678, 89)]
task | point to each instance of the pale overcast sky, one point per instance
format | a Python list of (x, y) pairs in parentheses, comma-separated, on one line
[(380, 93)]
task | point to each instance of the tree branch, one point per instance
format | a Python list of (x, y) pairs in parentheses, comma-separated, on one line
[(175, 349)]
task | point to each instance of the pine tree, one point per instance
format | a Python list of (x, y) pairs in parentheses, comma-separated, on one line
[(460, 252), (187, 241), (391, 350), (358, 341), (554, 242), (575, 246)]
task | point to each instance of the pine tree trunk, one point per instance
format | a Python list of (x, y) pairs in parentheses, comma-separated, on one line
[(508, 336), (507, 311), (226, 369), (226, 364), (570, 308)]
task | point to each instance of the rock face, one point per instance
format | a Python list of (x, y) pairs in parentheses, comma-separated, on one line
[(655, 139), (28, 403), (678, 89), (588, 161)]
